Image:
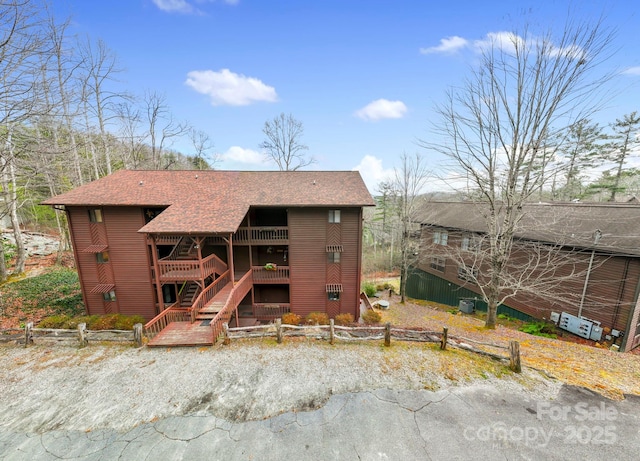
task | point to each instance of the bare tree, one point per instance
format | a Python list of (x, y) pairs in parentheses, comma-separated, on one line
[(409, 182), (283, 144), (22, 44), (161, 127), (202, 145), (495, 129)]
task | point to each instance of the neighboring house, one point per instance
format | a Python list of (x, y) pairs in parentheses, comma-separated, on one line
[(205, 246), (588, 252)]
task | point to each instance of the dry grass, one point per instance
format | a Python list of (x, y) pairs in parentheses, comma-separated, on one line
[(611, 374)]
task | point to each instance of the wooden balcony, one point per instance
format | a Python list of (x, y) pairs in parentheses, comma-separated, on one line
[(262, 275), (183, 270), (270, 311), (262, 236)]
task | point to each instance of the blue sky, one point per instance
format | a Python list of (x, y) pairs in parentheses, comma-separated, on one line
[(362, 76)]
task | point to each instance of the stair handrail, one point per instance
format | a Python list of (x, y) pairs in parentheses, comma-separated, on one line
[(238, 292), (208, 294)]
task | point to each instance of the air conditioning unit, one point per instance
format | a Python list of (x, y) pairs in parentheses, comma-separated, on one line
[(466, 305)]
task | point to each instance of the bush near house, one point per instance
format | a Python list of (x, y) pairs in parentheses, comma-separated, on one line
[(317, 318), (371, 317), (94, 322), (344, 319), (290, 318)]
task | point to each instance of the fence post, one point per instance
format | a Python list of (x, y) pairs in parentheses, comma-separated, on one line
[(225, 331), (82, 334), (443, 342), (279, 331), (331, 331), (514, 356), (387, 334), (28, 334), (137, 334)]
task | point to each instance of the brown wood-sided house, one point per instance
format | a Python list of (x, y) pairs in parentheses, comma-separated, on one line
[(586, 255), (189, 250)]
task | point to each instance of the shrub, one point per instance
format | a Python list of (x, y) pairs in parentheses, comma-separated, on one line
[(317, 318), (94, 322), (539, 329), (344, 319), (54, 321), (384, 286), (291, 319), (371, 317), (369, 288)]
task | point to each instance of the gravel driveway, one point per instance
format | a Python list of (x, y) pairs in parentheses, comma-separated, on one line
[(48, 388)]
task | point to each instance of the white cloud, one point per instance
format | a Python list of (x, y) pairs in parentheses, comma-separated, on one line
[(632, 71), (228, 88), (373, 172), (380, 109), (239, 154), (174, 6), (184, 6), (448, 45)]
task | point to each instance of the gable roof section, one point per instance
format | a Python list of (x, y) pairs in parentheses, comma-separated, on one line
[(571, 224), (216, 201)]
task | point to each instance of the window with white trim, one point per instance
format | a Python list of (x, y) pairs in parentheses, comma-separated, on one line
[(102, 257), (440, 237), (468, 274), (334, 216), (438, 264), (95, 215), (109, 296)]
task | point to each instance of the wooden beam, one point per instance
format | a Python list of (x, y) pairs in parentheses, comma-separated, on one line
[(154, 254)]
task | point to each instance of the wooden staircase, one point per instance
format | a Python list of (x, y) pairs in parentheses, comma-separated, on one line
[(189, 294), (215, 305)]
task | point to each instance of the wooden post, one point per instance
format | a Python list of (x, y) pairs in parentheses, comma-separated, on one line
[(137, 334), (331, 331), (28, 334), (225, 330), (279, 331), (82, 334), (387, 334), (443, 342), (514, 356)]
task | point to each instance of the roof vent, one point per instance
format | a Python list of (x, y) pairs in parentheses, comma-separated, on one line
[(196, 176), (314, 182), (141, 183)]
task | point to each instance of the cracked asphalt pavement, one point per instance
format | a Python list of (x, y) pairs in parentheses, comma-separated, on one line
[(213, 405)]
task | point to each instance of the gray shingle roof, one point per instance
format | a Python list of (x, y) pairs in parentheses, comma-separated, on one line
[(572, 224)]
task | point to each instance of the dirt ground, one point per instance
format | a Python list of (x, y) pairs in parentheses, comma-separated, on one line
[(612, 374)]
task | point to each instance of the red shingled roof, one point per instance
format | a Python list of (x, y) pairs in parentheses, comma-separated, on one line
[(216, 201)]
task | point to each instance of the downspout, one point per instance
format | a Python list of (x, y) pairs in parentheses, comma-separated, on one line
[(596, 238), (230, 257), (359, 278)]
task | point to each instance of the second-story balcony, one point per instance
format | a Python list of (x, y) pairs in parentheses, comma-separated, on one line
[(262, 235), (183, 270), (280, 274)]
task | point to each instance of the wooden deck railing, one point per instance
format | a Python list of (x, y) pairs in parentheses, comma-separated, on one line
[(261, 275), (279, 234), (160, 321), (191, 269), (270, 311), (208, 294), (238, 292), (166, 239)]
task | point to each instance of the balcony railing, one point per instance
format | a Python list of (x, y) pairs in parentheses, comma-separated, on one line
[(270, 311), (262, 235), (262, 275), (159, 322), (190, 269)]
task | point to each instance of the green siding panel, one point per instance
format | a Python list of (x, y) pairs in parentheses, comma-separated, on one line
[(422, 285)]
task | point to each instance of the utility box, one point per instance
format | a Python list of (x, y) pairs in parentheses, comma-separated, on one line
[(581, 326), (467, 306)]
